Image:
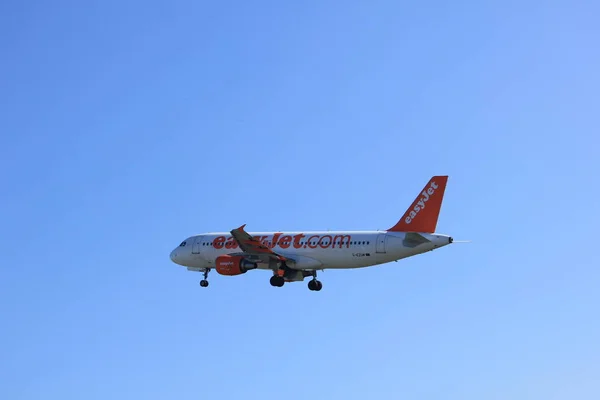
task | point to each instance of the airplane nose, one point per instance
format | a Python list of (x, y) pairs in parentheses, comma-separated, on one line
[(173, 256)]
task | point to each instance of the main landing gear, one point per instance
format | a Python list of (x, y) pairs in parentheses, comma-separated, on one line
[(204, 282), (277, 281), (314, 284)]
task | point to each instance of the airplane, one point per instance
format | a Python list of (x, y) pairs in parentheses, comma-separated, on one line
[(294, 256)]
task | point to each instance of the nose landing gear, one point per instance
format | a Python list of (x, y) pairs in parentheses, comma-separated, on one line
[(204, 282)]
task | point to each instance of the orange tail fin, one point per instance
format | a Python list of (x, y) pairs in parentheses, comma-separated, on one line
[(422, 215)]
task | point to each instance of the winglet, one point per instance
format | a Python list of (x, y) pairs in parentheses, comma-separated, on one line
[(422, 215)]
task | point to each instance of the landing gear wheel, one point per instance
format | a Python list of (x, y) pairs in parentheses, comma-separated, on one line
[(315, 285), (204, 282), (277, 281)]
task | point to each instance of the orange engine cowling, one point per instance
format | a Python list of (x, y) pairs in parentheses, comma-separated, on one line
[(233, 265)]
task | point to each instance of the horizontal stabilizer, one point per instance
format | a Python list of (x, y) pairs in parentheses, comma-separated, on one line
[(413, 239)]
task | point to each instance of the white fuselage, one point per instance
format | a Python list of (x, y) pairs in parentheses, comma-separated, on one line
[(312, 250)]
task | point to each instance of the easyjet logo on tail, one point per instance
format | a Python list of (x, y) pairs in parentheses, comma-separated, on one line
[(421, 203), (422, 215)]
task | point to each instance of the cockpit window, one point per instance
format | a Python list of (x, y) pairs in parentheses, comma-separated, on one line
[(182, 244)]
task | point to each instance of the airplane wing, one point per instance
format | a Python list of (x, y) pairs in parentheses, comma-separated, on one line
[(252, 246)]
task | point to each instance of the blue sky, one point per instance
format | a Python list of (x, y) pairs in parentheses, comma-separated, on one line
[(128, 126)]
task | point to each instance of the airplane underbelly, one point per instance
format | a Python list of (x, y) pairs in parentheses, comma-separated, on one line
[(351, 259)]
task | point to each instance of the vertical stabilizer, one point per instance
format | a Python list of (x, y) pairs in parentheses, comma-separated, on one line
[(422, 215)]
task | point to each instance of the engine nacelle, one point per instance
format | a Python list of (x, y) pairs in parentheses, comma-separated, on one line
[(233, 265)]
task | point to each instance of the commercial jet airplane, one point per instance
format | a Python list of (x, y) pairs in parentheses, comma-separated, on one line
[(293, 256)]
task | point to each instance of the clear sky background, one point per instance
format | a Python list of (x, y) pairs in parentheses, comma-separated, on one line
[(127, 126)]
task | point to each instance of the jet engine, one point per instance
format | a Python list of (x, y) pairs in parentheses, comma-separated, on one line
[(233, 265)]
